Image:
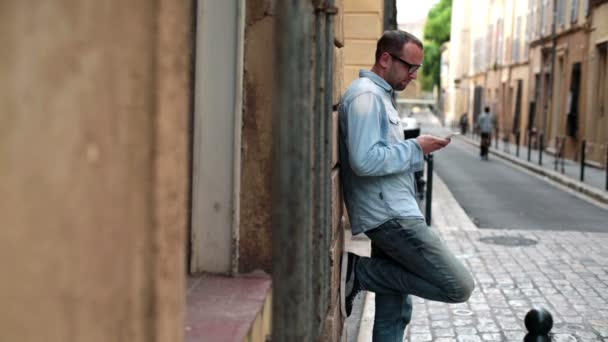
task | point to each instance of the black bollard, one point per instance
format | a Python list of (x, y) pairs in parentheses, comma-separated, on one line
[(517, 136), (537, 338), (541, 146), (539, 322), (583, 148), (429, 189), (562, 152), (556, 162), (529, 145)]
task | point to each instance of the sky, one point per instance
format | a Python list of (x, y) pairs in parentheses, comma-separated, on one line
[(413, 10)]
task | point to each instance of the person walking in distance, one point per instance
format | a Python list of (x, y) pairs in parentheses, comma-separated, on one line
[(378, 165), (485, 122), (464, 123)]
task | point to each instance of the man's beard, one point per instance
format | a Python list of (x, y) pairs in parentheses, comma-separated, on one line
[(399, 86)]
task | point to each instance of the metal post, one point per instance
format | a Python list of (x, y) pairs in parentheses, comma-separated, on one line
[(322, 113), (556, 162), (529, 145), (553, 58), (562, 153), (292, 178), (429, 189), (583, 148), (541, 147), (517, 137), (606, 167), (328, 117)]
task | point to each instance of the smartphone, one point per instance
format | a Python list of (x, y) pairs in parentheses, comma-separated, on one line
[(451, 134)]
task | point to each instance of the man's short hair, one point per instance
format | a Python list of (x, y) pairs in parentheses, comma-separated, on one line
[(487, 109), (393, 41)]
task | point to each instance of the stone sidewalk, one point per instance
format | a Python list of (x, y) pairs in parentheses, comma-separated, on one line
[(565, 272)]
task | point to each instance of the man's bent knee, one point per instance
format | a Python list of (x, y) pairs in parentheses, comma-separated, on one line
[(460, 291)]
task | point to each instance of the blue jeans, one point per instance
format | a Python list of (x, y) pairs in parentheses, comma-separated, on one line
[(408, 258)]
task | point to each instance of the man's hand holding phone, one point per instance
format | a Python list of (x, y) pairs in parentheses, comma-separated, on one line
[(430, 143), (451, 134)]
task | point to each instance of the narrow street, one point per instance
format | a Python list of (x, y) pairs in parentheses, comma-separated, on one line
[(495, 194)]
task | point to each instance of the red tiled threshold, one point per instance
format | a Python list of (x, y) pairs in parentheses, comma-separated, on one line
[(227, 309)]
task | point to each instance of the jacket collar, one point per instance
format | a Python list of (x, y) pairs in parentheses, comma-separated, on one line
[(376, 79)]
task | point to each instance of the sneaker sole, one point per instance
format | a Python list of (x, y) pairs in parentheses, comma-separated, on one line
[(343, 272)]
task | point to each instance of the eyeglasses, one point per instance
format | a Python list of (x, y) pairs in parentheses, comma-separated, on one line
[(412, 68)]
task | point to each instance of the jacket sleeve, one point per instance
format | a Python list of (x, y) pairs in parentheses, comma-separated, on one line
[(370, 154)]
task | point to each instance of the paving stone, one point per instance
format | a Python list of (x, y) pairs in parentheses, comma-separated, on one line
[(441, 324), (466, 331), (420, 329), (491, 337), (563, 338), (460, 322), (514, 335), (444, 332), (420, 337)]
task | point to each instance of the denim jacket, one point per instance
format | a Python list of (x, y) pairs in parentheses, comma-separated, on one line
[(377, 164)]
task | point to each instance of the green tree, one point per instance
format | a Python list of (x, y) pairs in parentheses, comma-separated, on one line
[(436, 32)]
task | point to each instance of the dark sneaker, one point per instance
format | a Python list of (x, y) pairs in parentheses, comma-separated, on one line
[(349, 284)]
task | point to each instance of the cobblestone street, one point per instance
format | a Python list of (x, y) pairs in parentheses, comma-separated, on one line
[(564, 272)]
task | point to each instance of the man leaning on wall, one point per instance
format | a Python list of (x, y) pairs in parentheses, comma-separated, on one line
[(408, 258)]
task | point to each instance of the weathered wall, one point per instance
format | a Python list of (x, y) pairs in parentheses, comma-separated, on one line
[(520, 72), (572, 48), (172, 155), (363, 20), (93, 97), (597, 129), (333, 323), (255, 251)]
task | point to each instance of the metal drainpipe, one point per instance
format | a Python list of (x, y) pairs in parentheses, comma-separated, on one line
[(320, 168), (546, 129), (238, 123), (292, 177), (324, 12), (328, 151), (390, 15), (328, 110)]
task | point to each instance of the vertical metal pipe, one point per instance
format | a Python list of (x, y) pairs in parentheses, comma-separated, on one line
[(583, 148), (320, 182), (517, 137), (390, 15), (429, 189), (541, 147), (562, 153), (556, 162), (328, 117), (552, 74), (606, 167), (529, 145), (292, 176)]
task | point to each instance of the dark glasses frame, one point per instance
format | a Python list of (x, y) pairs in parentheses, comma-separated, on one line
[(412, 68)]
